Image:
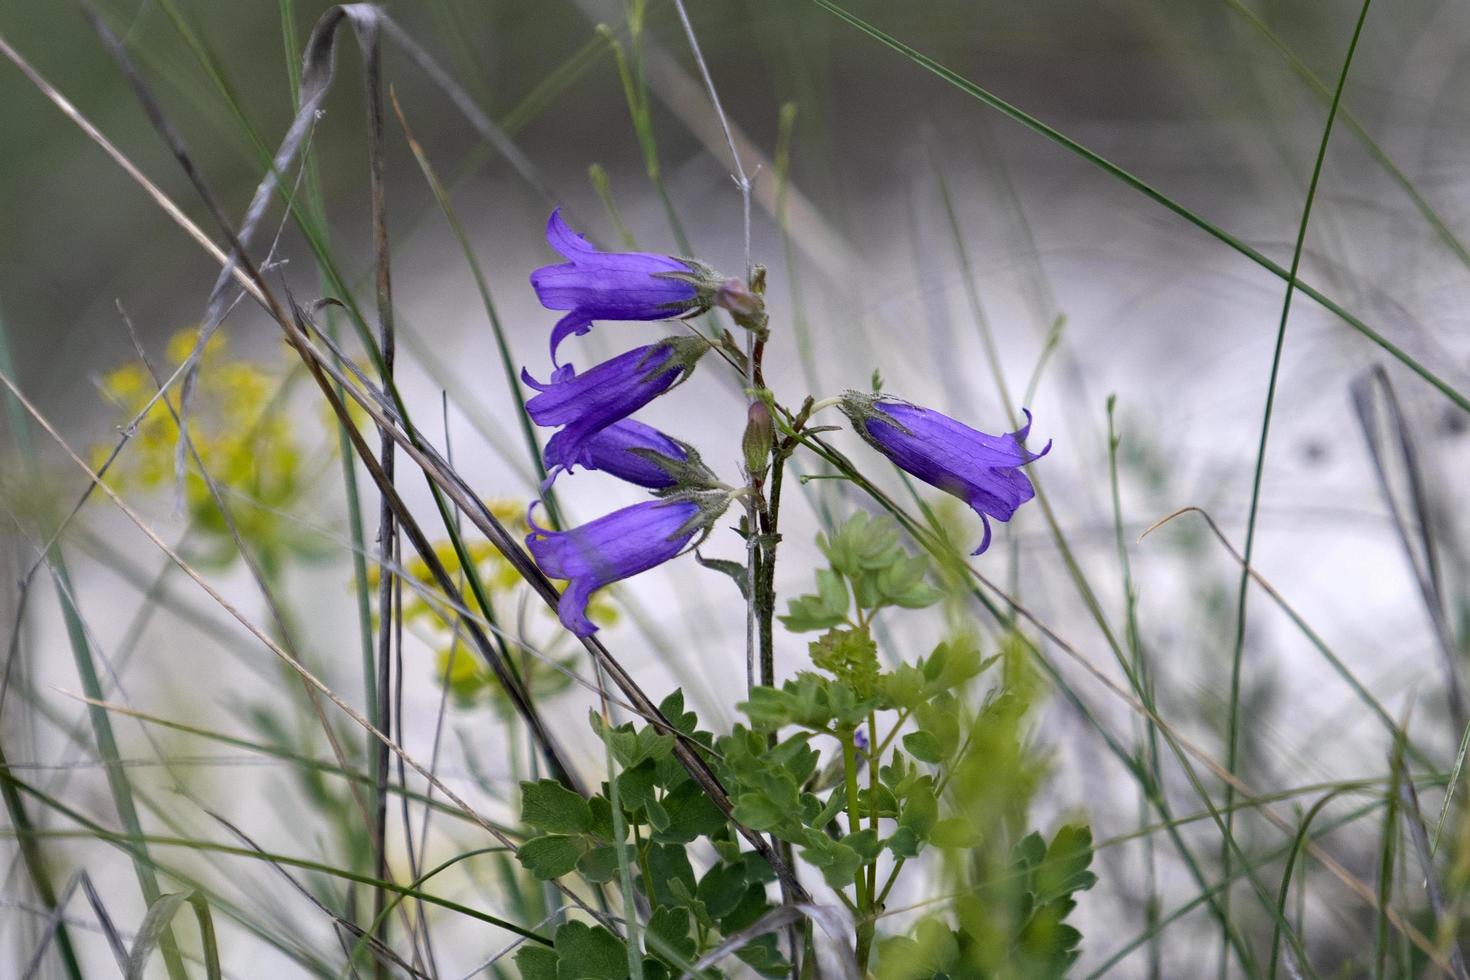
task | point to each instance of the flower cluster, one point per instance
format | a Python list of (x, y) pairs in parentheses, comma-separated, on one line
[(596, 432), (593, 410), (244, 438)]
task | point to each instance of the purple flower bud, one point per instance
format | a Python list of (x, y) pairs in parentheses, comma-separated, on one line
[(626, 450), (616, 547), (736, 297), (595, 285), (608, 392), (860, 740), (980, 469)]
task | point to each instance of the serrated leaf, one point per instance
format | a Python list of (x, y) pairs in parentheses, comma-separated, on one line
[(549, 806), (670, 927), (837, 861), (672, 708), (536, 963), (550, 856), (658, 817), (920, 811), (599, 864), (691, 814), (722, 888), (758, 811), (589, 953), (668, 865), (767, 708), (635, 786), (904, 843), (824, 610), (1064, 868), (602, 821)]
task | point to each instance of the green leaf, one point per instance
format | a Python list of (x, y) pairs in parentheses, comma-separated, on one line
[(549, 806), (599, 864), (824, 610), (589, 953), (602, 821), (769, 708), (849, 655), (736, 571), (536, 963), (668, 865), (924, 747), (550, 856), (837, 861), (758, 811), (722, 888), (670, 926), (904, 843), (940, 718), (658, 817), (933, 952), (635, 786), (864, 843), (862, 544), (920, 811), (1064, 869), (954, 832), (753, 905), (672, 708), (691, 814)]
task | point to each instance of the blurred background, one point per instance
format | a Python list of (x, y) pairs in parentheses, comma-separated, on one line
[(908, 228)]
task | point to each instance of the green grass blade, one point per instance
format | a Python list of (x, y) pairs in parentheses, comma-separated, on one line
[(1232, 744), (1150, 192)]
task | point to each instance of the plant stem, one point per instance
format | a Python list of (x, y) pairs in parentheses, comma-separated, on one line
[(863, 896)]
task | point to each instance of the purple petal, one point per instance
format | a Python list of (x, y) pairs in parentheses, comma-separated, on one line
[(560, 236), (574, 323)]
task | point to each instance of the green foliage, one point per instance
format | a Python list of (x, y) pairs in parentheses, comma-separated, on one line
[(1014, 926), (664, 812), (858, 769), (869, 568)]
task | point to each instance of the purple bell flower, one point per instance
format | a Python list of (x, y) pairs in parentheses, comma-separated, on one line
[(980, 469), (616, 547), (608, 392), (595, 285), (625, 449)]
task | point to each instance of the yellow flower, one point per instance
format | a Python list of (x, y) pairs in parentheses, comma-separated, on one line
[(244, 442)]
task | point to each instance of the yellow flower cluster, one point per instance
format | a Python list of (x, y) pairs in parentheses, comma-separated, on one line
[(470, 680), (245, 441)]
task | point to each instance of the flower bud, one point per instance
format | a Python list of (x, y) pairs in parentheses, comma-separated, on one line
[(760, 437), (736, 297)]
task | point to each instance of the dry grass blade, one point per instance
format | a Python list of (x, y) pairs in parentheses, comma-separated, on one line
[(380, 951), (1335, 867), (426, 458), (1421, 555), (316, 77), (256, 631), (1444, 924)]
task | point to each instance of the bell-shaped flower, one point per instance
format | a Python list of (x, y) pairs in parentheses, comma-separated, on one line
[(632, 451), (594, 285), (981, 469), (618, 546), (609, 392)]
